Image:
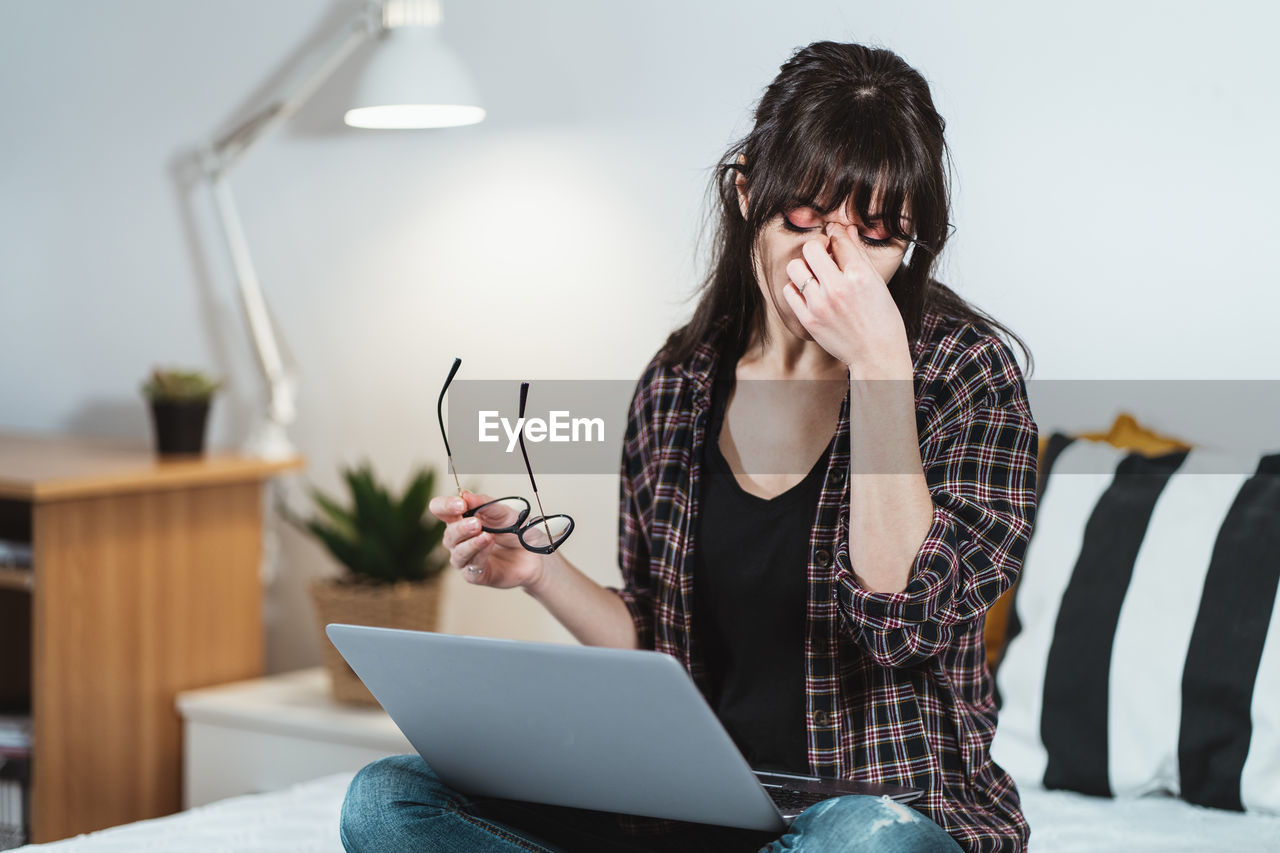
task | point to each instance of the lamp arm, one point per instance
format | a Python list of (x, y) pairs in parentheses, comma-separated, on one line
[(261, 329), (227, 149), (218, 158)]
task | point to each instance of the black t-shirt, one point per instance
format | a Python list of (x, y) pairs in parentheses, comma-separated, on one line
[(750, 595)]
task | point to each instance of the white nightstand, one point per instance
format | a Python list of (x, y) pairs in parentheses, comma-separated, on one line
[(273, 732)]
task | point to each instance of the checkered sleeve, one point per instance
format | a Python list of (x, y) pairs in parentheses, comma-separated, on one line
[(979, 448), (633, 546)]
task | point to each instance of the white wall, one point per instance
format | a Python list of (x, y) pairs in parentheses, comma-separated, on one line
[(1115, 187)]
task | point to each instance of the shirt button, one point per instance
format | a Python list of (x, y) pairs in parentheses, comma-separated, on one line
[(839, 474), (821, 718), (822, 557)]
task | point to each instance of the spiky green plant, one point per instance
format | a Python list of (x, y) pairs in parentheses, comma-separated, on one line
[(381, 537)]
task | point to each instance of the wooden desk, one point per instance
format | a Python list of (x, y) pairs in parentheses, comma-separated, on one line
[(145, 583)]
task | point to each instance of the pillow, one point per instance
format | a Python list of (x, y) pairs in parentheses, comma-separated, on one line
[(1126, 433), (1144, 655)]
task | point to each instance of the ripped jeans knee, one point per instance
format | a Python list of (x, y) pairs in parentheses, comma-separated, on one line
[(856, 823)]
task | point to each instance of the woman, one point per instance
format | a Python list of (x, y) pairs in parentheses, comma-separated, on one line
[(819, 555)]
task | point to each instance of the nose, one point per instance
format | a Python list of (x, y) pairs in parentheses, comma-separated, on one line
[(817, 237), (842, 222), (825, 235)]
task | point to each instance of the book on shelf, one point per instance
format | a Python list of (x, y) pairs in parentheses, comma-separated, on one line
[(15, 555), (15, 735)]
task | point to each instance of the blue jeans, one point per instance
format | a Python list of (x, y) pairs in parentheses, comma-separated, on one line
[(399, 804)]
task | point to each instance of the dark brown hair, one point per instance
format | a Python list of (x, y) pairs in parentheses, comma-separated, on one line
[(838, 122)]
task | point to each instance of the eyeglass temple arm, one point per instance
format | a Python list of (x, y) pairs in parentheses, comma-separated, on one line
[(524, 397), (457, 362)]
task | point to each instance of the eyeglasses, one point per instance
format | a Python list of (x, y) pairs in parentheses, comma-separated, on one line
[(543, 534)]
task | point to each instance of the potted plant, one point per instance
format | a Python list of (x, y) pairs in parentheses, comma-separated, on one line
[(179, 408), (390, 548)]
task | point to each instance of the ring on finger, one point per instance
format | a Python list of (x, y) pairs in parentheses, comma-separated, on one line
[(472, 570), (808, 281)]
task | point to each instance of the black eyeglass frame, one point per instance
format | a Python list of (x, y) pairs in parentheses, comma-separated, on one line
[(519, 527)]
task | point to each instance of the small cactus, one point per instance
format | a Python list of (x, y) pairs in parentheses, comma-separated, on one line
[(179, 386)]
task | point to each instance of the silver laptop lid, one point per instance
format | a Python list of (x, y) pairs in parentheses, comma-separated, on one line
[(606, 729)]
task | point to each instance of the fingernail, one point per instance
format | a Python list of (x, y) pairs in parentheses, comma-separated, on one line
[(457, 505), (473, 524)]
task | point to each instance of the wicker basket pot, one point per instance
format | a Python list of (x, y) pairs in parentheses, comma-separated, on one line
[(414, 605)]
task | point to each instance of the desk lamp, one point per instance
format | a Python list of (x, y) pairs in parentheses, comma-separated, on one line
[(412, 80)]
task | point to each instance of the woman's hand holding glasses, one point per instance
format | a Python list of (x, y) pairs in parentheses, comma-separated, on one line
[(496, 542), (487, 559)]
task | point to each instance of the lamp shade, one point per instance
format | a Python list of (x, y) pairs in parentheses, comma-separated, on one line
[(413, 80)]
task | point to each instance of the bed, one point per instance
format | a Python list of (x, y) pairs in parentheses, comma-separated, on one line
[(304, 819), (1179, 690)]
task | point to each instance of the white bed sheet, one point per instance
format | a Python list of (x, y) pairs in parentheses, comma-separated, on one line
[(304, 819), (1066, 822), (300, 819)]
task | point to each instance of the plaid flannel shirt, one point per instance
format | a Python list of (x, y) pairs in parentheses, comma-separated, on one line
[(897, 687)]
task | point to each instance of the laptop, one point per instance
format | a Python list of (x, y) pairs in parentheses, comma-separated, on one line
[(611, 730)]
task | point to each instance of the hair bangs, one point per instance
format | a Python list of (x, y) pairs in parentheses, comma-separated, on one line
[(846, 163)]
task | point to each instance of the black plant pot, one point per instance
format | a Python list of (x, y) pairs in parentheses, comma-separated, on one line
[(179, 426)]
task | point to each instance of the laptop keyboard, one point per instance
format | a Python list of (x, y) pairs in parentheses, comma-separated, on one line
[(788, 800)]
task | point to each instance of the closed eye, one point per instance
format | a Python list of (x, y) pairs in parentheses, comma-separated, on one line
[(803, 220)]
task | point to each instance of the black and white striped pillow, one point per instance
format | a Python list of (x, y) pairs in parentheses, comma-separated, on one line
[(1147, 653)]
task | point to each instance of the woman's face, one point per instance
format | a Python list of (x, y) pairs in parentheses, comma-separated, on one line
[(781, 239)]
